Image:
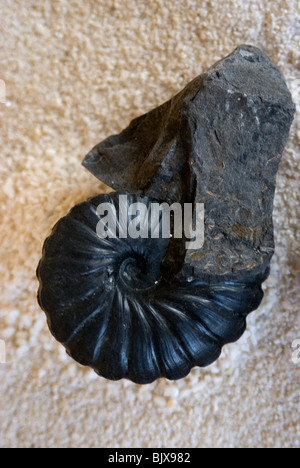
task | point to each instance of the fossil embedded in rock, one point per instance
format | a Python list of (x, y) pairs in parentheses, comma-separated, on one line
[(148, 307)]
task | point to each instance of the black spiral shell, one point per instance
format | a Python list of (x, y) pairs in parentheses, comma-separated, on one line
[(108, 303)]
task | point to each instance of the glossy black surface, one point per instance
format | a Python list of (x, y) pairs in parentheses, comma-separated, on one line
[(108, 303)]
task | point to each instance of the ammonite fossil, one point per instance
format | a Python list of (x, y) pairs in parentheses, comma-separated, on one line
[(143, 307)]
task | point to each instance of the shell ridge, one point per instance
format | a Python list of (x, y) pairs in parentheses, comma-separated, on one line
[(148, 369), (101, 334), (80, 328), (191, 332), (116, 342)]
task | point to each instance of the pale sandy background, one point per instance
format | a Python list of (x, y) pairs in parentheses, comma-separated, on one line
[(76, 72)]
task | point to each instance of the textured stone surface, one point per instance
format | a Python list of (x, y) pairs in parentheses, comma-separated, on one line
[(218, 142), (82, 75)]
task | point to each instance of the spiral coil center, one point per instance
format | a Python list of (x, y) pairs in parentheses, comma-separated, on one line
[(136, 273)]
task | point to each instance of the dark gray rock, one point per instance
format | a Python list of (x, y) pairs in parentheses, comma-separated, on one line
[(218, 142)]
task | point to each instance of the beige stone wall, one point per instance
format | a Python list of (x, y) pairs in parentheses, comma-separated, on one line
[(75, 72)]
